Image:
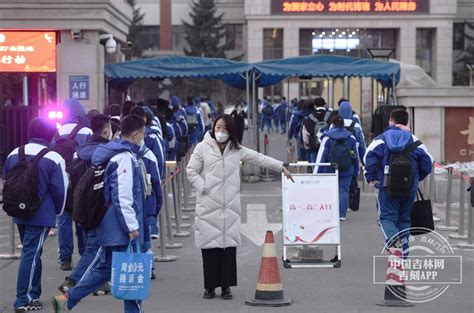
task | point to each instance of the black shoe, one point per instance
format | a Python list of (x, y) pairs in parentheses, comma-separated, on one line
[(103, 291), (66, 285), (66, 265), (209, 294), (226, 294), (153, 276), (34, 305)]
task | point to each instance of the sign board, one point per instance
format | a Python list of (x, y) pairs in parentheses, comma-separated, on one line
[(459, 134), (27, 51), (79, 87), (372, 7), (311, 210)]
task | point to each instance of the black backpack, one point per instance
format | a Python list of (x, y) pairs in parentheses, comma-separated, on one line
[(314, 142), (341, 154), (88, 201), (75, 169), (267, 110), (400, 172), (66, 146), (21, 190)]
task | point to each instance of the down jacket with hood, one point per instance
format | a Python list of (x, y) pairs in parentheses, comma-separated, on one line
[(75, 114), (216, 177)]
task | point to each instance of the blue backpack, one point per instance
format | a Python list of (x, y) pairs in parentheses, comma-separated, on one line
[(341, 154)]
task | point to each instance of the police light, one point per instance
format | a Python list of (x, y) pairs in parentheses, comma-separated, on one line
[(55, 115)]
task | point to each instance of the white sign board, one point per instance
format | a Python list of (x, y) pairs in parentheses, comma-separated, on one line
[(311, 210)]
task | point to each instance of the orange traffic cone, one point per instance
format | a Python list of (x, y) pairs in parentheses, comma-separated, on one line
[(395, 292), (269, 290)]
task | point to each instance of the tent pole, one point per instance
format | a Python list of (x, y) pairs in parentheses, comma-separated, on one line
[(394, 93), (255, 111)]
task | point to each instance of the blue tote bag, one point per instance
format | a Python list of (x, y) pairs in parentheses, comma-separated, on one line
[(131, 273)]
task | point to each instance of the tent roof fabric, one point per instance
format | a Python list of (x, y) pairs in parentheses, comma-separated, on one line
[(274, 71), (269, 72)]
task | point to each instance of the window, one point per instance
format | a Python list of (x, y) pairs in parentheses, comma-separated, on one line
[(345, 41), (233, 36), (149, 37), (424, 49), (458, 36), (272, 43), (179, 38)]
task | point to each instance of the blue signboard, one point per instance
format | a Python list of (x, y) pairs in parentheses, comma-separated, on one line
[(79, 87)]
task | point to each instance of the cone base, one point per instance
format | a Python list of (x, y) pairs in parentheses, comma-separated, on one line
[(269, 303), (393, 303)]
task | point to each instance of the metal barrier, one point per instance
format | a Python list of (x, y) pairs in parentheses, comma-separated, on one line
[(267, 177), (447, 226), (12, 255), (470, 231), (462, 193)]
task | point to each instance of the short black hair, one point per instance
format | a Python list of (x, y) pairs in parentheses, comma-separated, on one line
[(127, 106), (114, 110), (399, 116), (189, 100), (231, 129), (131, 123), (115, 125), (319, 102), (338, 121), (341, 101), (91, 113), (139, 111), (99, 122), (42, 128)]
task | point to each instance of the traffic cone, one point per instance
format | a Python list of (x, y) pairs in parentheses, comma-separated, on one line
[(395, 292), (269, 290)]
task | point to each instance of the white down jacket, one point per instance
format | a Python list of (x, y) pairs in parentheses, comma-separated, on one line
[(216, 177)]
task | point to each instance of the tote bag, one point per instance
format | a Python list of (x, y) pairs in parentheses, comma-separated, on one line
[(131, 273), (421, 216)]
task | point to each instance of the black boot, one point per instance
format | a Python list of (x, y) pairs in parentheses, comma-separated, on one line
[(226, 294), (209, 294)]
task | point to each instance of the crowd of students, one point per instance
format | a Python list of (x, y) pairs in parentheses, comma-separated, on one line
[(127, 148), (130, 143)]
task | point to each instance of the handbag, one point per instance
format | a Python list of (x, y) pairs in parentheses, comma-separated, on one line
[(131, 273), (421, 216), (354, 198)]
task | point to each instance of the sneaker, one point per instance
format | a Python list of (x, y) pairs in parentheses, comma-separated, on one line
[(66, 285), (342, 218), (66, 265), (102, 291), (59, 303), (154, 236), (34, 305), (209, 294), (226, 294)]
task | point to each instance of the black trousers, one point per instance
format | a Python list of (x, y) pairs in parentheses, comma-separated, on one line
[(220, 267)]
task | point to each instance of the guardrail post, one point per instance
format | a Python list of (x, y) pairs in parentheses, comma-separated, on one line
[(432, 192), (462, 193), (447, 226), (11, 237), (470, 230), (169, 231), (176, 206)]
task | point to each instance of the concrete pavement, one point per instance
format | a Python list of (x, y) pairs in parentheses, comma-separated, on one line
[(179, 285)]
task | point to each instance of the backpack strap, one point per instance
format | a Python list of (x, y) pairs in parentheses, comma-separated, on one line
[(21, 154), (41, 154), (352, 126), (411, 147), (74, 131)]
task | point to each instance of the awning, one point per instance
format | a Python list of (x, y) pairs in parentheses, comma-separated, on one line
[(273, 71)]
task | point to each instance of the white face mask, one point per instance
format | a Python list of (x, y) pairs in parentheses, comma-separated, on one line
[(110, 135), (141, 143), (221, 137)]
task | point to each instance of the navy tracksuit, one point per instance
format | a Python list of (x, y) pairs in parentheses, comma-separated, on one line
[(124, 195), (394, 212), (53, 183)]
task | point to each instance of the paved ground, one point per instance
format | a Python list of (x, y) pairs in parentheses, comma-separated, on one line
[(179, 284)]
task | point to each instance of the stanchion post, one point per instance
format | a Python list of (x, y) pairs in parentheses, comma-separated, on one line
[(432, 185), (176, 204), (11, 236), (163, 257), (447, 226), (462, 193), (266, 142), (470, 230), (169, 230)]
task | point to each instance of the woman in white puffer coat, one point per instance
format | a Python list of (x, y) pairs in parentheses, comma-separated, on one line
[(214, 171)]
